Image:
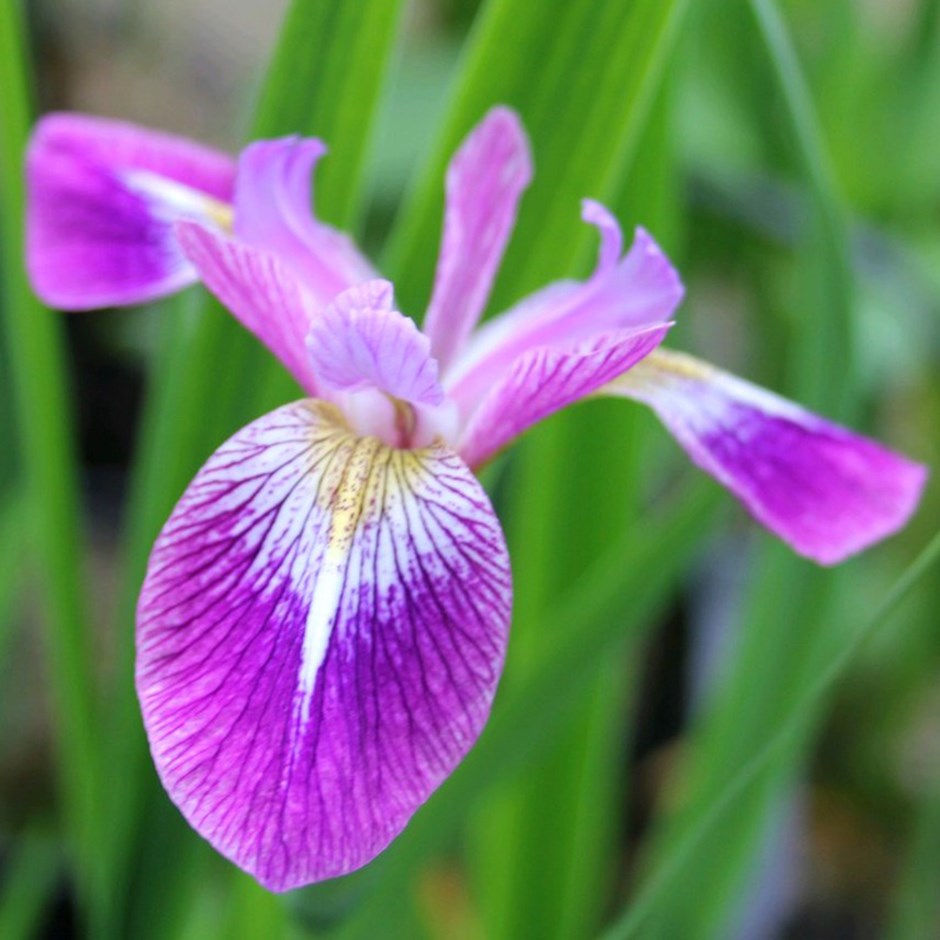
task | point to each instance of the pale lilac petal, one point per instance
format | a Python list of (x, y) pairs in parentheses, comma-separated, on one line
[(359, 341), (544, 380), (102, 199), (825, 491), (260, 290), (484, 183), (274, 211), (320, 635), (639, 290)]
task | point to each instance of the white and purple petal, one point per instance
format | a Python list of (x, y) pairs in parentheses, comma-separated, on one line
[(545, 380), (102, 199), (274, 211), (824, 490), (485, 181), (641, 289), (320, 635)]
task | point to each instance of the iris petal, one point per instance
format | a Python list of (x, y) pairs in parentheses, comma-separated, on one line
[(640, 290), (827, 492), (360, 340), (320, 636), (261, 291), (544, 380), (485, 181), (274, 211), (103, 196)]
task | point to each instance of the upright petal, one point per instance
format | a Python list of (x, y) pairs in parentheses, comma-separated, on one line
[(484, 182), (639, 290), (102, 199), (544, 380), (274, 211), (359, 340), (260, 290), (320, 635), (825, 491)]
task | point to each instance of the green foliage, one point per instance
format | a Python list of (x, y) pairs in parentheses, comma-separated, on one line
[(786, 159)]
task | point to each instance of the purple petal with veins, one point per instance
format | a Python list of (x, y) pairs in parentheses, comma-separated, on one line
[(262, 292), (827, 492), (544, 380), (103, 196), (639, 290), (359, 340), (274, 211), (485, 180), (320, 635)]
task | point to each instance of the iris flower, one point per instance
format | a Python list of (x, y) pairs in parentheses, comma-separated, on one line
[(325, 614)]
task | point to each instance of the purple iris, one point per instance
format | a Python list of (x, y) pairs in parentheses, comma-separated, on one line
[(325, 614)]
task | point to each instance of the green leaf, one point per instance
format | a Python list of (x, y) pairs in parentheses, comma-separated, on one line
[(325, 79), (714, 821), (788, 628), (45, 442)]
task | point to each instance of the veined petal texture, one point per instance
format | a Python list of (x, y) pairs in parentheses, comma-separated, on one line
[(261, 291), (485, 181), (320, 635), (639, 290), (545, 380), (359, 340), (103, 197), (274, 211), (824, 490)]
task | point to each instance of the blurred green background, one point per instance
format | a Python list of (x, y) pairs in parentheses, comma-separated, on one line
[(698, 735)]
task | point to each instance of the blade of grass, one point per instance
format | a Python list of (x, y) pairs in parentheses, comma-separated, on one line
[(330, 54), (773, 662), (599, 66), (786, 737), (916, 910), (12, 566), (45, 441), (30, 878)]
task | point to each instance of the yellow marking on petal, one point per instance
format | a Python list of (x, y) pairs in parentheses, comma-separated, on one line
[(221, 213), (360, 471)]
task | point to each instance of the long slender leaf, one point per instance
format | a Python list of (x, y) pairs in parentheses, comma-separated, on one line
[(785, 738), (45, 437), (774, 660), (331, 53), (29, 879)]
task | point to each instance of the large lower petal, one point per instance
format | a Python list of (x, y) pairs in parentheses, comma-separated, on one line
[(542, 381), (320, 635), (274, 211), (825, 491), (484, 183), (635, 291), (102, 199)]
